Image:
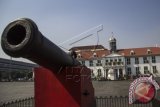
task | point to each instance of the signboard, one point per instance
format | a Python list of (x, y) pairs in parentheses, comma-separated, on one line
[(143, 90)]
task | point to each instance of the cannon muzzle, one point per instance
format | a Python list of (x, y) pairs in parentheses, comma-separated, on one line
[(21, 38)]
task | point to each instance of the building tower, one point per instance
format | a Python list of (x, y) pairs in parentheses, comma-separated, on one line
[(112, 45)]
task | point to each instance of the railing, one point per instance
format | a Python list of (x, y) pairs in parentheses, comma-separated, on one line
[(117, 102), (28, 102), (100, 102)]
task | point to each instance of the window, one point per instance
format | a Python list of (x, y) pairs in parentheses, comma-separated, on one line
[(119, 60), (99, 63), (148, 51), (79, 56), (129, 72), (128, 61), (83, 62), (154, 69), (132, 52), (106, 60), (94, 54), (119, 63), (137, 71), (99, 73), (145, 60), (90, 63), (114, 63), (92, 74), (146, 70), (153, 59), (136, 60), (111, 60), (110, 63)]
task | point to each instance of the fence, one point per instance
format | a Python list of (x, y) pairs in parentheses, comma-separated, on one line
[(28, 102), (100, 102), (117, 102)]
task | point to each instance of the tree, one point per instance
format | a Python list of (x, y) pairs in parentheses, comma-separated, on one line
[(30, 74)]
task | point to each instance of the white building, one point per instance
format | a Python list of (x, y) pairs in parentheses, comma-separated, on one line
[(117, 63)]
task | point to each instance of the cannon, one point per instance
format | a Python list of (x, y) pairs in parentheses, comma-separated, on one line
[(22, 38), (60, 81)]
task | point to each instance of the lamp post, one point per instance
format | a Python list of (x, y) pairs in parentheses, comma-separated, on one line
[(10, 69)]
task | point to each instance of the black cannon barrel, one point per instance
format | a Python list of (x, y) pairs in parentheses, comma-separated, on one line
[(21, 38)]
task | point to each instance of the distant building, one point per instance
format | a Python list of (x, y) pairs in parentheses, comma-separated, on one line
[(7, 67), (116, 63)]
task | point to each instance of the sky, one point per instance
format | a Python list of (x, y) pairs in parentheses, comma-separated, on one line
[(134, 23)]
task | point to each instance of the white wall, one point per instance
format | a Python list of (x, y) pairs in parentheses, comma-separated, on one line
[(132, 65)]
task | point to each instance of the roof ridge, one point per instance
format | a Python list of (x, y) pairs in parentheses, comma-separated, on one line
[(137, 48)]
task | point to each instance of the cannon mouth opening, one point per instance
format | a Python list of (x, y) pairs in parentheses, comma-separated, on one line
[(16, 35)]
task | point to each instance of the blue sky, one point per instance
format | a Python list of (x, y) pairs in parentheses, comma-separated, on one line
[(135, 23)]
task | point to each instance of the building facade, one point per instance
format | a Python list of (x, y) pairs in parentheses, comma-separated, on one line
[(114, 64)]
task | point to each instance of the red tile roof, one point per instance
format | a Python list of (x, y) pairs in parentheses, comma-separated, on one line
[(90, 54), (140, 51)]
